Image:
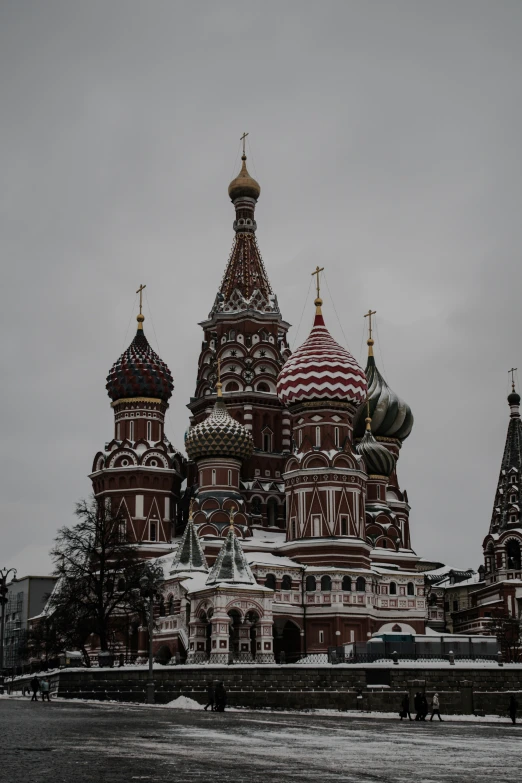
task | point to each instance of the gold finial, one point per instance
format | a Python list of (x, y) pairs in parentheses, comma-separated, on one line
[(219, 384), (191, 512), (243, 139), (513, 371), (368, 418), (140, 318), (318, 301), (231, 522), (370, 340)]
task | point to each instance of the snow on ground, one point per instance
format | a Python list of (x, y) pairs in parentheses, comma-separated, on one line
[(183, 703)]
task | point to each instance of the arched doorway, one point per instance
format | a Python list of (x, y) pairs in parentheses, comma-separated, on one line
[(287, 640), (271, 511), (252, 619), (235, 624), (513, 554)]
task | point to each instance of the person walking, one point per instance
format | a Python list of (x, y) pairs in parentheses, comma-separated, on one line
[(513, 708), (45, 690), (405, 707), (220, 697), (435, 706), (417, 703), (35, 687), (424, 706), (210, 697)]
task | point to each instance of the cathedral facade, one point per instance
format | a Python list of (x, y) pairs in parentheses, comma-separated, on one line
[(292, 534)]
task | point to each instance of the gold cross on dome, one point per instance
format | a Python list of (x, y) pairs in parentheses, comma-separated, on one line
[(140, 292), (191, 507), (513, 371), (317, 272), (232, 515), (243, 139), (369, 315)]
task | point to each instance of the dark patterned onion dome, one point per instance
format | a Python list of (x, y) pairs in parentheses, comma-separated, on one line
[(244, 184), (321, 369), (379, 461), (391, 416), (139, 372), (514, 398), (219, 435)]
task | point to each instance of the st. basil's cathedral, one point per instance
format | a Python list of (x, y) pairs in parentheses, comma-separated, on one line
[(292, 533)]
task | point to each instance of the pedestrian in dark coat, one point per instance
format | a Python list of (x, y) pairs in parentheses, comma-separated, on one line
[(417, 703), (35, 687), (405, 707), (210, 697), (424, 706), (220, 696), (513, 708)]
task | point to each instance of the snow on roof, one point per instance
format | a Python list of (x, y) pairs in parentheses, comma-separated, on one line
[(267, 558)]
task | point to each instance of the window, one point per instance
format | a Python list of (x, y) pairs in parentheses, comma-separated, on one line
[(336, 436), (229, 478), (318, 436), (311, 584), (293, 527), (455, 606), (153, 531), (300, 437), (347, 584), (326, 584), (384, 544), (513, 499), (118, 431), (286, 583), (316, 526), (139, 506), (271, 511), (167, 508), (360, 585), (267, 440), (513, 554), (213, 478), (149, 430), (393, 588), (411, 588), (344, 525), (321, 637), (263, 387), (256, 506), (270, 581), (131, 430), (513, 479)]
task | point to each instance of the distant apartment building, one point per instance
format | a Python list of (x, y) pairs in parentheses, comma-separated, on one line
[(26, 598)]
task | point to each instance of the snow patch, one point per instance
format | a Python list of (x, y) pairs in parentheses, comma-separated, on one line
[(183, 703)]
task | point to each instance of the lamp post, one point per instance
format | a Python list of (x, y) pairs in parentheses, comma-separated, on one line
[(4, 573), (147, 590)]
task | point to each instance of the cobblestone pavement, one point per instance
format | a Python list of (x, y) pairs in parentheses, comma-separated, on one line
[(70, 742)]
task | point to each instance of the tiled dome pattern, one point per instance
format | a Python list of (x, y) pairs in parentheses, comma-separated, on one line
[(139, 372), (219, 435), (391, 416), (379, 461), (321, 369)]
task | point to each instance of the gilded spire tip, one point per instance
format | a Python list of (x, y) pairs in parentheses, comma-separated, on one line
[(370, 342), (318, 301), (140, 317)]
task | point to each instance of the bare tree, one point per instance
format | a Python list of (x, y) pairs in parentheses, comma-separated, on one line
[(507, 630), (98, 570)]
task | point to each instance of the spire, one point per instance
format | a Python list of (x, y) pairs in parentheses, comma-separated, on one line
[(245, 284), (508, 499), (231, 565), (140, 318), (370, 341), (318, 302), (190, 555)]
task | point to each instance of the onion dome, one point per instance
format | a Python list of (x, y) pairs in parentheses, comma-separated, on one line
[(219, 435), (321, 369), (139, 372), (391, 417), (379, 461), (244, 185)]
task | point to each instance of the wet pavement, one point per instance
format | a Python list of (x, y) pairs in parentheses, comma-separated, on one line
[(71, 742)]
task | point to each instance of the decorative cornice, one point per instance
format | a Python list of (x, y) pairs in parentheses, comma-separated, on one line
[(154, 400)]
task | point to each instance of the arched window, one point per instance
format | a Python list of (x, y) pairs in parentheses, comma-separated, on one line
[(170, 604), (263, 387), (256, 506), (336, 436), (271, 510), (162, 607), (360, 584), (229, 478), (131, 430), (270, 581), (231, 386), (118, 431), (347, 584), (286, 583), (311, 584), (213, 477), (300, 437), (267, 440), (318, 436), (326, 584), (149, 430), (513, 554), (393, 588), (411, 588)]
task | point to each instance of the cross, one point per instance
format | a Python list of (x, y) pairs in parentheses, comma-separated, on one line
[(369, 315), (317, 272), (232, 515), (140, 292), (243, 139), (191, 507), (512, 371)]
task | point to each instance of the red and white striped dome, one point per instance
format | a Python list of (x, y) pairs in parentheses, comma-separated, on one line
[(321, 369)]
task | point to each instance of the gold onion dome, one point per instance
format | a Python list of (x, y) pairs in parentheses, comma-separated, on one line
[(219, 435), (244, 185), (379, 461)]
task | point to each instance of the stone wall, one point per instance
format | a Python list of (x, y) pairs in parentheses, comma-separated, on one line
[(462, 689)]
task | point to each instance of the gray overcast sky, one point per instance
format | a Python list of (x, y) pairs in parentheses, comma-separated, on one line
[(386, 138)]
